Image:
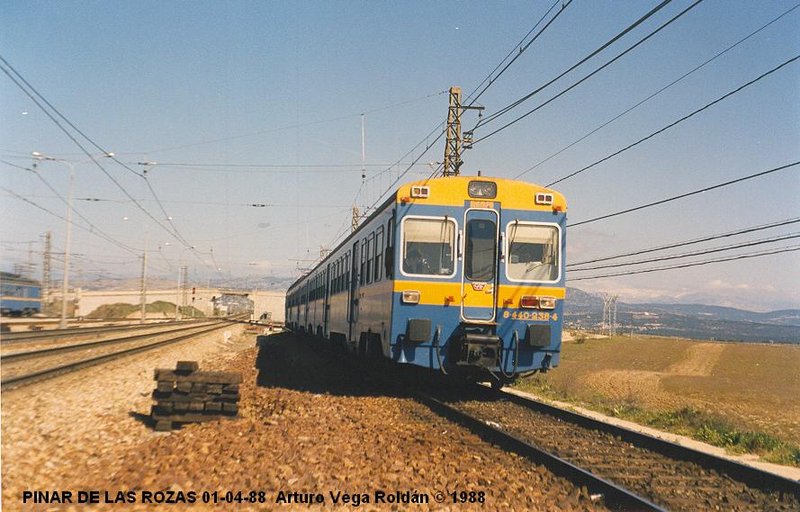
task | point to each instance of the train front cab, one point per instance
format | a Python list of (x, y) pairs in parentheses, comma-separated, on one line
[(479, 287)]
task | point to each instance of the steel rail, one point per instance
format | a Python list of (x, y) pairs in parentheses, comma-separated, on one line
[(15, 356), (748, 475), (22, 380), (12, 337), (614, 496)]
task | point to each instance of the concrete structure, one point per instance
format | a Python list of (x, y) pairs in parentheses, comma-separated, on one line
[(269, 302), (264, 301)]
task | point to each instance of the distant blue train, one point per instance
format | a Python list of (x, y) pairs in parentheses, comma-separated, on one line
[(19, 296)]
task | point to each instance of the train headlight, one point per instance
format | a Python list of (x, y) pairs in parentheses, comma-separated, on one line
[(529, 302), (547, 303), (410, 297), (482, 189), (544, 199)]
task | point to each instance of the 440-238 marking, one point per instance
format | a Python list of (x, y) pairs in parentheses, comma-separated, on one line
[(531, 315)]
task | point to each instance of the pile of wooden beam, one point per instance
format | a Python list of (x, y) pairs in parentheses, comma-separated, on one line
[(186, 394)]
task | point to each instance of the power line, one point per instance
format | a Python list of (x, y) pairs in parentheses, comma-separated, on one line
[(75, 140), (294, 167), (608, 43), (653, 95), (81, 226), (693, 253), (674, 123), (440, 126), (299, 125), (694, 264), (687, 194), (587, 77), (521, 50), (688, 242), (92, 228)]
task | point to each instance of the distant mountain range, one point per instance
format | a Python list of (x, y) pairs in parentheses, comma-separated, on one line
[(696, 321)]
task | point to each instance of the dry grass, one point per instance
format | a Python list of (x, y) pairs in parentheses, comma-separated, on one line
[(725, 393)]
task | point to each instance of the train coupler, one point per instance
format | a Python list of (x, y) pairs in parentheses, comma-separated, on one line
[(476, 349)]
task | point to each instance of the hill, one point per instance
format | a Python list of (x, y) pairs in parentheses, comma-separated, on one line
[(696, 321)]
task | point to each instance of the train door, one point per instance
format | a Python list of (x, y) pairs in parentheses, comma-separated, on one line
[(479, 270), (306, 298), (326, 304), (352, 302)]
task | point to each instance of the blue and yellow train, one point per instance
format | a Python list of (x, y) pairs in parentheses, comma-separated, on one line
[(459, 274), (19, 296)]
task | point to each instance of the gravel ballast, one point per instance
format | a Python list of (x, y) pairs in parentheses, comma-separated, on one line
[(310, 429)]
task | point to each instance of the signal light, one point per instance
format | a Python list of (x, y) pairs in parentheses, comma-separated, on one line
[(529, 302)]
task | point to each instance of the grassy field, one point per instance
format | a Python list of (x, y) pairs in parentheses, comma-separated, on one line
[(745, 397)]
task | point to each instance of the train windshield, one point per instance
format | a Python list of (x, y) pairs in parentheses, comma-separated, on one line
[(428, 246), (533, 252)]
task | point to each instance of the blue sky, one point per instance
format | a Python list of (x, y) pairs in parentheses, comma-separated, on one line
[(246, 103)]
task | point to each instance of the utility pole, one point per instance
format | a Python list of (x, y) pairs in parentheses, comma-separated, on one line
[(144, 285), (455, 142), (184, 285), (65, 284), (452, 147), (354, 221), (46, 272)]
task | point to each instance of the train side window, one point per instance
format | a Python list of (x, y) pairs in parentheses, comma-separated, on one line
[(370, 257), (428, 246), (347, 270), (389, 258), (363, 262), (378, 253)]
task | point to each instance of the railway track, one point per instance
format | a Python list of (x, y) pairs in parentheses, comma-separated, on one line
[(630, 470), (23, 368), (24, 336)]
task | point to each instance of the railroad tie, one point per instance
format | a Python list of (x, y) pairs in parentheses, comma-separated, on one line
[(187, 395)]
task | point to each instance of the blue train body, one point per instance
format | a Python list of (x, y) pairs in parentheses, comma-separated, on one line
[(459, 274), (19, 296)]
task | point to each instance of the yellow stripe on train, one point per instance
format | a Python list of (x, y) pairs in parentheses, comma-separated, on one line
[(449, 293)]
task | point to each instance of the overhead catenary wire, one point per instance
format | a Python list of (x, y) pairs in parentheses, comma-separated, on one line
[(517, 51), (691, 254), (688, 242), (488, 119), (92, 227), (678, 121), (441, 126), (35, 96), (656, 93), (587, 77), (91, 230), (693, 264), (298, 125), (687, 194)]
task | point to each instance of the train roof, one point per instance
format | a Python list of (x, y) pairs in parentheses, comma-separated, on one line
[(8, 277), (514, 194), (451, 190)]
